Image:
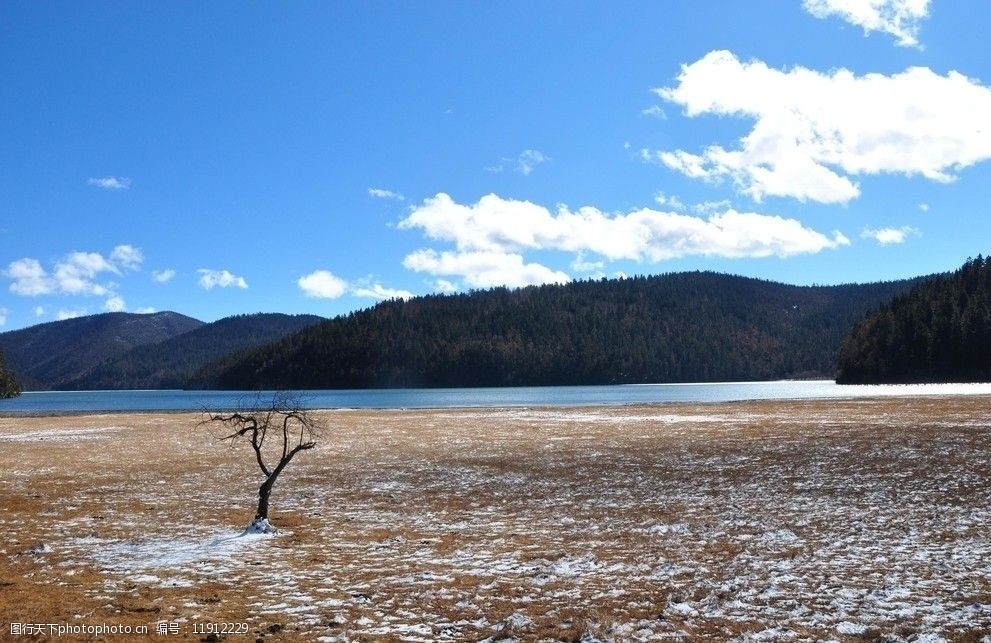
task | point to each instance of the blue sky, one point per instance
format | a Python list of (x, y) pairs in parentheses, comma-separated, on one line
[(224, 158)]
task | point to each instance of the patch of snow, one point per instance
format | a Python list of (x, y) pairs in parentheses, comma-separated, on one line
[(851, 629), (573, 566), (682, 608), (38, 550), (518, 620), (68, 434), (773, 634), (675, 528), (259, 526), (194, 555), (780, 537), (145, 579)]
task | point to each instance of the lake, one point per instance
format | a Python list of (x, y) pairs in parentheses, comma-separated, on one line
[(68, 401)]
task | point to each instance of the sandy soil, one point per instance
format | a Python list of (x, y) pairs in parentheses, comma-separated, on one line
[(780, 521)]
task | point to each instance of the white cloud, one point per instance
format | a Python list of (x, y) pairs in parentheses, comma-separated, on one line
[(3, 316), (322, 284), (146, 310), (678, 205), (711, 206), (29, 278), (162, 276), (592, 268), (529, 159), (524, 163), (115, 304), (378, 291), (655, 111), (111, 183), (495, 225), (899, 18), (484, 269), (924, 207), (889, 236), (691, 165), (444, 286), (88, 264), (69, 314), (220, 279), (127, 256), (814, 131), (379, 193), (76, 274), (669, 200)]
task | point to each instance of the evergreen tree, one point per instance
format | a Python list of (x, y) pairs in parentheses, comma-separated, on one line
[(940, 331), (8, 383)]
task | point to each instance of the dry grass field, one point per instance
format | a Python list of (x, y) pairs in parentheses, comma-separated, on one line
[(775, 521)]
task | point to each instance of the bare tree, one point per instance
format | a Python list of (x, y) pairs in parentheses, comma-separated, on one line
[(276, 431)]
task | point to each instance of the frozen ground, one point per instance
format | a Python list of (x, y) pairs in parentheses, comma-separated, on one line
[(775, 521)]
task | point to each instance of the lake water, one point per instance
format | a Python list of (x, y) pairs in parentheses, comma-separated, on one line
[(59, 401)]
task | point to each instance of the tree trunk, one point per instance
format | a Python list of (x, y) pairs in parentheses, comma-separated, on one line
[(261, 525), (264, 492)]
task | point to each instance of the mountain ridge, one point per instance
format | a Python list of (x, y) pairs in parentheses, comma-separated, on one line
[(46, 355), (133, 351), (690, 326), (170, 363)]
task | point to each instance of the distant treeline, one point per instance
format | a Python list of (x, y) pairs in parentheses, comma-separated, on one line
[(940, 331), (686, 327)]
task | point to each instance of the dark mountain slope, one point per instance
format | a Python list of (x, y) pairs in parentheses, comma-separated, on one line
[(668, 328), (170, 363), (940, 331), (48, 355)]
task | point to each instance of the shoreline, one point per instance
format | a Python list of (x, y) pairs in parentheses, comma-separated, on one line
[(672, 404)]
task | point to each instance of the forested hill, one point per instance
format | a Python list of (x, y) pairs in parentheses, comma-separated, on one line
[(940, 331), (170, 363), (682, 327), (48, 355)]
